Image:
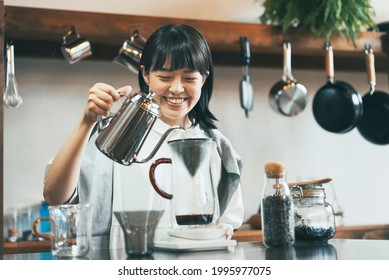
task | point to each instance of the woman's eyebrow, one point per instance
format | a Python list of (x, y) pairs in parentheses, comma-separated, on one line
[(185, 70), (166, 69), (190, 70)]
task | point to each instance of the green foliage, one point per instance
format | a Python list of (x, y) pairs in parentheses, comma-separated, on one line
[(322, 17)]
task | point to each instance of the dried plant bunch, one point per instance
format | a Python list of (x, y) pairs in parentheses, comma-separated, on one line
[(321, 17)]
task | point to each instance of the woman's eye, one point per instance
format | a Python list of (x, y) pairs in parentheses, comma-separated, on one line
[(164, 78)]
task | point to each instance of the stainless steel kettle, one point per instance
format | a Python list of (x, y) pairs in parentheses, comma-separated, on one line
[(123, 135)]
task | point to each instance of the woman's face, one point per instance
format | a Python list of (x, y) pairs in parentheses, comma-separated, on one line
[(176, 92)]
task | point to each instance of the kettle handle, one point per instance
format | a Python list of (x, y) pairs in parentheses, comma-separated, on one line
[(104, 121), (152, 177)]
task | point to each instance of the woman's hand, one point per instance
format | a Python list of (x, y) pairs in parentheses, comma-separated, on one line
[(228, 230), (101, 98)]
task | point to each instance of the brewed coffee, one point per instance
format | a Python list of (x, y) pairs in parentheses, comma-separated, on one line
[(199, 219)]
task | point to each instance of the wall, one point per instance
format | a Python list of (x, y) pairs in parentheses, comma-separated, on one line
[(54, 94)]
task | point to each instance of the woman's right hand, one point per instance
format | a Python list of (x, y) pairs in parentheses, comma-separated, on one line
[(101, 98)]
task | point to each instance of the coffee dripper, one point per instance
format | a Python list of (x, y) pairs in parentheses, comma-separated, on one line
[(194, 211)]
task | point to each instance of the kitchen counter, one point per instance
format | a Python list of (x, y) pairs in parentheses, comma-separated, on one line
[(244, 234), (336, 249)]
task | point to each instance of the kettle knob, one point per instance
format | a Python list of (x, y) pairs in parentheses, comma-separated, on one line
[(146, 102)]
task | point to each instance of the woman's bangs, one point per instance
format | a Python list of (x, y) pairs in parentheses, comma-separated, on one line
[(179, 57)]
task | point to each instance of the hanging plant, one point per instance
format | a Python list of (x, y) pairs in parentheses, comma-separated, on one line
[(321, 17)]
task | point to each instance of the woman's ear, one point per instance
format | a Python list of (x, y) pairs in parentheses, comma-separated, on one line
[(205, 76), (144, 74)]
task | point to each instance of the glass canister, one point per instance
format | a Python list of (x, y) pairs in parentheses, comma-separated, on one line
[(277, 208), (314, 217)]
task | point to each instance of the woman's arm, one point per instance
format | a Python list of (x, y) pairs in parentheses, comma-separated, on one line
[(63, 173)]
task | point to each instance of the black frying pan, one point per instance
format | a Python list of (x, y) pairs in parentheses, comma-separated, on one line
[(337, 106), (374, 125)]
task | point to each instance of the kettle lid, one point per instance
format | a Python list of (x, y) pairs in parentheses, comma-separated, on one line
[(146, 102)]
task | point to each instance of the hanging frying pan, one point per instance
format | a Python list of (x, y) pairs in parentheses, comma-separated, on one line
[(337, 106), (374, 125), (245, 87), (287, 96)]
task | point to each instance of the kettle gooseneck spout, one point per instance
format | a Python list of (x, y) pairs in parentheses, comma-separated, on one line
[(156, 148)]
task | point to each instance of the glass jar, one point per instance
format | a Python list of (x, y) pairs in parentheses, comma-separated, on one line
[(277, 208), (314, 217)]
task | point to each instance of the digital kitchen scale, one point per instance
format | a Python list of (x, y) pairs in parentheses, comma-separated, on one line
[(182, 244), (195, 239)]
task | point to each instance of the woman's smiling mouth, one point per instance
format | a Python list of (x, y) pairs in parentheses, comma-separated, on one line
[(175, 100)]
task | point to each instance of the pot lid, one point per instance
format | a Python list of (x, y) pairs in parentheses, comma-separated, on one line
[(146, 102)]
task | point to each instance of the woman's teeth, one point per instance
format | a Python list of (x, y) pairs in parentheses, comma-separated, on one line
[(175, 100)]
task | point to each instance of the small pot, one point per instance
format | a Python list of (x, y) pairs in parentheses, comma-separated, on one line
[(287, 96)]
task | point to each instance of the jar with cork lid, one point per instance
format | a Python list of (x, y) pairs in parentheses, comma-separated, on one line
[(277, 207)]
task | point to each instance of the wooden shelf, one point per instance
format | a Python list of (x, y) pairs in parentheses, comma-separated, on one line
[(27, 247), (38, 33), (246, 234)]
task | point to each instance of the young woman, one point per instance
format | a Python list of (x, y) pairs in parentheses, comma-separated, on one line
[(177, 66)]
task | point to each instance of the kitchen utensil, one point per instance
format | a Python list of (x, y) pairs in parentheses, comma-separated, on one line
[(11, 97), (71, 230), (337, 106), (139, 209), (122, 137), (188, 245), (130, 53), (277, 215), (314, 218), (374, 125), (139, 230), (193, 196), (245, 87), (287, 96), (319, 181), (74, 47), (12, 224)]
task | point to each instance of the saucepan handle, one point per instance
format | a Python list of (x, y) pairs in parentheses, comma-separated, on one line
[(152, 177)]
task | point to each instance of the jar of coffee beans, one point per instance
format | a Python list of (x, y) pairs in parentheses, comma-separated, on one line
[(277, 207), (314, 216)]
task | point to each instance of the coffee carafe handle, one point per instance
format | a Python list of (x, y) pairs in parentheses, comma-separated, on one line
[(152, 177), (156, 148)]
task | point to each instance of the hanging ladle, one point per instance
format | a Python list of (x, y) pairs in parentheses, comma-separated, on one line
[(245, 87)]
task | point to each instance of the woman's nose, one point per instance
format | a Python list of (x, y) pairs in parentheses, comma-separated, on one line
[(176, 86)]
